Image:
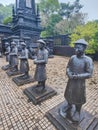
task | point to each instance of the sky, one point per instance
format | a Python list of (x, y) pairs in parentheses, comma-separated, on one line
[(90, 7)]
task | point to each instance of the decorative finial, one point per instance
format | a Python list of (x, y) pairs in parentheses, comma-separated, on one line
[(38, 10)]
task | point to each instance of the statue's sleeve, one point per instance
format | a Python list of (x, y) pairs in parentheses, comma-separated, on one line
[(68, 69), (26, 54), (88, 69), (7, 50), (46, 57), (44, 60), (14, 52)]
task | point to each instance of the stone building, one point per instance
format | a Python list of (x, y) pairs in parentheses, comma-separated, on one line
[(25, 23)]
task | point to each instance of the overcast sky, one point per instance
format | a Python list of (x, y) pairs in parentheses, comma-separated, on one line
[(90, 7)]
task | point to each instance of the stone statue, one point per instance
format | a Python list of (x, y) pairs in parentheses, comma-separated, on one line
[(24, 66), (7, 51), (40, 91), (0, 50), (14, 57), (7, 54), (79, 68), (41, 61)]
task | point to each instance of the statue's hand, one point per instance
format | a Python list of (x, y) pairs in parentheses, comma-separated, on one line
[(34, 61), (70, 76), (75, 76)]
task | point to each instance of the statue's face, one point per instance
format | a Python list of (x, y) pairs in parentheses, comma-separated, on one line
[(6, 45), (22, 46), (41, 46), (13, 45), (79, 49)]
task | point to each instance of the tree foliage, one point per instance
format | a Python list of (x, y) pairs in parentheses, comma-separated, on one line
[(5, 11), (89, 32), (50, 28), (48, 7), (68, 26), (67, 10), (68, 14), (7, 20)]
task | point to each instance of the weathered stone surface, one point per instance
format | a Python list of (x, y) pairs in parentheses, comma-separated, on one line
[(20, 81), (87, 121), (13, 73), (16, 113), (6, 67), (36, 96)]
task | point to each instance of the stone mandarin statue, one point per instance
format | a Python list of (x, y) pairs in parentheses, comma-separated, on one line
[(7, 54), (79, 68), (14, 57), (40, 91), (7, 51), (24, 65), (41, 61)]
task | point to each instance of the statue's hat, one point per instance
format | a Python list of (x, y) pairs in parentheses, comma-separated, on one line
[(23, 43), (81, 41), (41, 41), (13, 43), (21, 40), (7, 43)]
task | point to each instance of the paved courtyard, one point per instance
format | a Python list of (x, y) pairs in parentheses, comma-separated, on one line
[(17, 113)]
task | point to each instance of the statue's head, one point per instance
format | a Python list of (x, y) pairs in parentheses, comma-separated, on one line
[(13, 44), (23, 45), (7, 44), (41, 43), (80, 46)]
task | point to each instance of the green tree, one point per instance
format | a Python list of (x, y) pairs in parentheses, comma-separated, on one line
[(68, 16), (7, 20), (5, 11), (89, 32), (50, 28), (72, 16), (62, 27), (67, 10), (66, 26), (47, 8)]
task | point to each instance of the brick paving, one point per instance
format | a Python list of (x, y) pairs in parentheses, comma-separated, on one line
[(17, 113)]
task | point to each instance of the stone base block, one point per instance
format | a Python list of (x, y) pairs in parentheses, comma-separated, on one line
[(37, 97), (20, 81), (87, 121), (51, 56), (6, 67), (13, 73)]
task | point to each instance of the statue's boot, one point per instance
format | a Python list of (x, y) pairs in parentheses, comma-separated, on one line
[(76, 117), (43, 85), (64, 110), (15, 69), (40, 87), (25, 76)]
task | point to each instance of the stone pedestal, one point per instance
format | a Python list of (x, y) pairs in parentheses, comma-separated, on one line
[(51, 56), (13, 73), (37, 97), (87, 121), (6, 67), (19, 81)]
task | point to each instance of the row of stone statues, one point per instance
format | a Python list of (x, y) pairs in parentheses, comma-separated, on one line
[(79, 68), (41, 59)]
